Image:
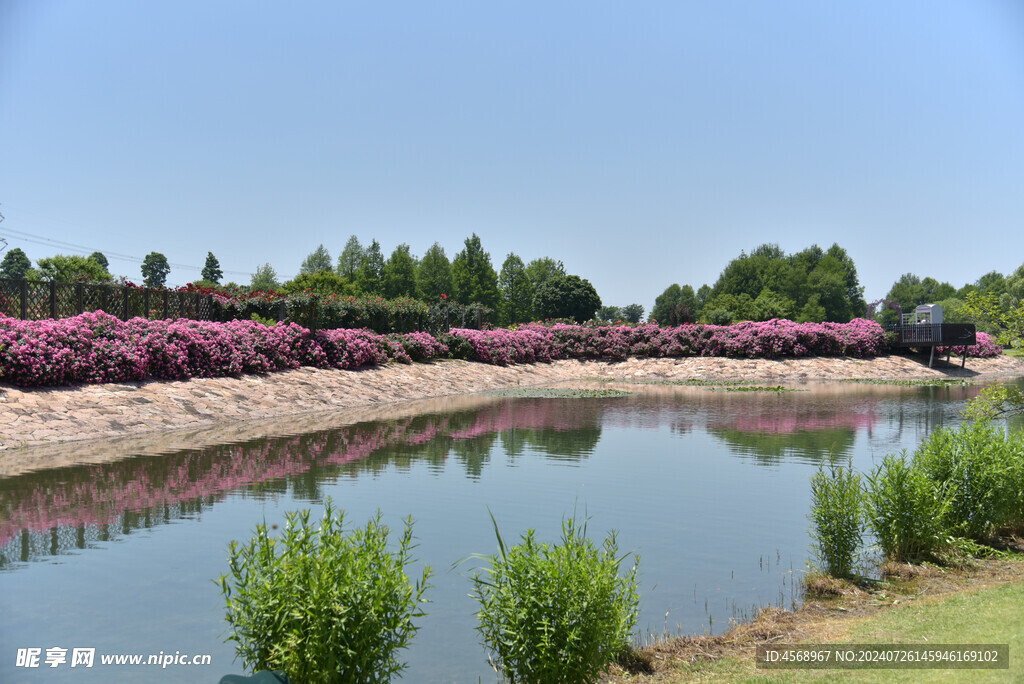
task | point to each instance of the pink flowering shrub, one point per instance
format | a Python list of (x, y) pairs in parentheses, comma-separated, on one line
[(985, 348), (96, 347), (504, 347), (768, 339), (420, 346), (347, 348)]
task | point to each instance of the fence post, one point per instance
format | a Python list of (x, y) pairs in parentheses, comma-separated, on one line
[(105, 298), (181, 306), (80, 297), (167, 312), (125, 309), (53, 299), (24, 299), (282, 311), (145, 303)]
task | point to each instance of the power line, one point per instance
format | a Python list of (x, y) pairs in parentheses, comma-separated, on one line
[(82, 249)]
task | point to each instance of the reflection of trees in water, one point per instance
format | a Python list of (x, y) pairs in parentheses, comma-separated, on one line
[(48, 512), (804, 445), (73, 507)]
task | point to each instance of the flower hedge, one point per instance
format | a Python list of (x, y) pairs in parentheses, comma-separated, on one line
[(985, 348), (97, 347)]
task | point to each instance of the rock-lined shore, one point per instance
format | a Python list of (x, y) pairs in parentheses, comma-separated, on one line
[(47, 427)]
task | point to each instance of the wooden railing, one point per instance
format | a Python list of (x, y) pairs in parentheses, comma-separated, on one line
[(36, 300)]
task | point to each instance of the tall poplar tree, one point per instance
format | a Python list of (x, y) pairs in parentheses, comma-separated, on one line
[(473, 276)]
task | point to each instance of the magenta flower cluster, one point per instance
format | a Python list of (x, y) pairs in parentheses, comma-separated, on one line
[(97, 348), (985, 348), (768, 339)]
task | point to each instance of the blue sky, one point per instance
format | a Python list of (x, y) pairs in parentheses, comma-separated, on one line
[(641, 143)]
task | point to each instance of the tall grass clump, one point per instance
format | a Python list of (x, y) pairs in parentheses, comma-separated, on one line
[(979, 472), (905, 510), (556, 613), (838, 518), (320, 604)]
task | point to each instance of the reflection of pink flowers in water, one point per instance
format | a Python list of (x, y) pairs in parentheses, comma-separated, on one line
[(97, 496), (114, 489), (769, 423)]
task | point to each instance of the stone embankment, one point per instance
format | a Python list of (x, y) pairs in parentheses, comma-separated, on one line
[(48, 427)]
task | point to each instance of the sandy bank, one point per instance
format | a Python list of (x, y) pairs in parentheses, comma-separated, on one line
[(57, 426)]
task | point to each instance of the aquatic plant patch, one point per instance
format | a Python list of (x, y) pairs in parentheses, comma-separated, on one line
[(558, 393), (936, 382), (758, 388)]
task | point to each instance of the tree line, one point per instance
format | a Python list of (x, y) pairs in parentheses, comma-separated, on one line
[(520, 292), (93, 268), (812, 285)]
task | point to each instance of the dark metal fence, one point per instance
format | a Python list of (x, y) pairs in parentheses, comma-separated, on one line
[(936, 334), (33, 300)]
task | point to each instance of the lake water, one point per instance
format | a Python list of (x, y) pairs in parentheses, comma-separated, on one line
[(709, 487)]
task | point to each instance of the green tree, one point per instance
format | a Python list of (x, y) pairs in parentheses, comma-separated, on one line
[(15, 264), (211, 270), (985, 310), (317, 260), (830, 276), (473, 276), (567, 296), (665, 302), (100, 259), (812, 311), (609, 313), (265, 278), (1015, 286), (321, 282), (701, 297), (516, 290), (370, 277), (350, 259), (633, 313), (399, 274), (434, 275), (64, 268), (539, 270), (155, 269), (828, 282), (769, 305), (992, 282), (767, 266), (996, 401), (740, 308)]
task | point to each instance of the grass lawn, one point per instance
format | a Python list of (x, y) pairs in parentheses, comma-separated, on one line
[(978, 603), (1016, 352), (989, 616)]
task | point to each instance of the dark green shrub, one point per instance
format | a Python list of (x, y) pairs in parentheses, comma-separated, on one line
[(556, 613), (322, 605), (905, 510), (837, 513), (458, 347)]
